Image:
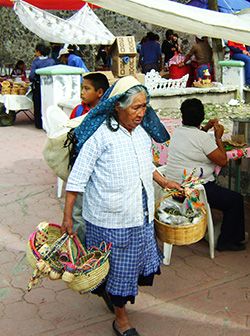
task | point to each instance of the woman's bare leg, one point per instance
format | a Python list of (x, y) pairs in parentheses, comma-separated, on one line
[(121, 319)]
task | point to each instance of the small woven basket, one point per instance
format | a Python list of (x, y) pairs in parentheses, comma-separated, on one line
[(180, 234), (32, 254)]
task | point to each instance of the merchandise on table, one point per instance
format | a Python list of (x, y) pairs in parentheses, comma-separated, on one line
[(9, 86)]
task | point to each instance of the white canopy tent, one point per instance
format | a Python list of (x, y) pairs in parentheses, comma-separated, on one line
[(84, 27), (184, 18)]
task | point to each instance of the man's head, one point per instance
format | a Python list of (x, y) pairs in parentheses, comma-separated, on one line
[(93, 87), (42, 49), (192, 111), (150, 36), (169, 34)]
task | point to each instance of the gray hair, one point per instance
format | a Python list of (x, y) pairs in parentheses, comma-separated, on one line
[(127, 99)]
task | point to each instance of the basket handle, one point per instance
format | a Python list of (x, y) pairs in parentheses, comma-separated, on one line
[(81, 249)]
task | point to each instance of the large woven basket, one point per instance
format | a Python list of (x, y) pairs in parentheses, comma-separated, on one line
[(180, 234), (84, 283), (82, 270)]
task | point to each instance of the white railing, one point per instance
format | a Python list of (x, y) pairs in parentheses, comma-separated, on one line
[(157, 85)]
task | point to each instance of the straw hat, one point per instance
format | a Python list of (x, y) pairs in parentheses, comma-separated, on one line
[(63, 51)]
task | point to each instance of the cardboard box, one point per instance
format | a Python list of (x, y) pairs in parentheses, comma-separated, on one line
[(108, 74), (123, 52)]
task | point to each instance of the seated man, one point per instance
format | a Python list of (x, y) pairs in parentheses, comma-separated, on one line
[(191, 147), (239, 51)]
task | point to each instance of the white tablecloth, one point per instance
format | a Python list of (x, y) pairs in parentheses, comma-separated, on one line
[(16, 102)]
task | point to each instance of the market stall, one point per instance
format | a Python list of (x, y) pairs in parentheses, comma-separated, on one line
[(14, 98)]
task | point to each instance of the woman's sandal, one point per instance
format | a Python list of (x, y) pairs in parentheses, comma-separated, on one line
[(129, 332)]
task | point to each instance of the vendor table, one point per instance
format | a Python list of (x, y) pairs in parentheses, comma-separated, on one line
[(160, 154), (17, 103)]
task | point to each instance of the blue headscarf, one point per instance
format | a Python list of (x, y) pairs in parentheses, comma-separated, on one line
[(96, 116)]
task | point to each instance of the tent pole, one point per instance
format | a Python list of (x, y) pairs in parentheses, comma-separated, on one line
[(216, 45)]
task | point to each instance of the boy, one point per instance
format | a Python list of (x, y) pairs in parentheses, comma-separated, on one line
[(93, 87)]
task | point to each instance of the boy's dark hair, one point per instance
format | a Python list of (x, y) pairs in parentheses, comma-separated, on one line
[(98, 80), (192, 111), (43, 48)]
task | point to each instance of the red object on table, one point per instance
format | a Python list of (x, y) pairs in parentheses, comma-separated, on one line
[(176, 72)]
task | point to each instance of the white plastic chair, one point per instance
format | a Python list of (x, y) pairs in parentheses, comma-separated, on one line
[(167, 248)]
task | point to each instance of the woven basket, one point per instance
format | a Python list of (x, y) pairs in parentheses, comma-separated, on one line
[(180, 235), (32, 254), (86, 279), (202, 85), (83, 270), (84, 283)]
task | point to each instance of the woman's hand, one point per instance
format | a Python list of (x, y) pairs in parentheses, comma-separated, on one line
[(164, 182), (172, 185), (67, 226), (67, 223), (210, 124), (218, 131)]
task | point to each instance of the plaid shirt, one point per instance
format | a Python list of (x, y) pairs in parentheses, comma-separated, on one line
[(110, 170)]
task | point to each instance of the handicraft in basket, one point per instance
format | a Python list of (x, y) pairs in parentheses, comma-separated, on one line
[(58, 256), (188, 232), (203, 84)]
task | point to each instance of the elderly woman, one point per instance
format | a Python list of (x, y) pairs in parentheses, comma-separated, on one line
[(115, 172), (191, 147)]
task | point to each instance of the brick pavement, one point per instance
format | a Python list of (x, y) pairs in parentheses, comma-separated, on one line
[(194, 295)]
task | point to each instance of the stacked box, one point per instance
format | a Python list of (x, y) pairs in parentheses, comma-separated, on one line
[(123, 52)]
